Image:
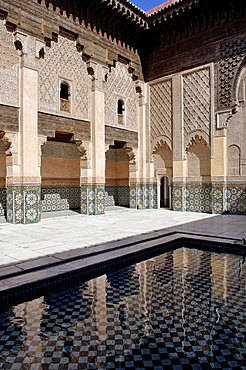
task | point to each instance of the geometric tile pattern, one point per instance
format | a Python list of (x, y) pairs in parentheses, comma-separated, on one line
[(109, 198), (92, 197), (184, 309), (3, 199), (236, 199), (143, 196), (178, 197), (60, 198), (119, 195), (198, 198), (23, 204), (206, 198)]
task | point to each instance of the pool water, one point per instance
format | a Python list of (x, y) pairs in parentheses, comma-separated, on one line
[(185, 309)]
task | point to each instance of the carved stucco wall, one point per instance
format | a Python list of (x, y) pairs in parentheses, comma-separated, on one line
[(196, 101), (9, 67), (2, 147), (232, 56), (121, 86), (163, 159), (236, 132), (62, 61), (233, 163), (198, 157), (53, 149), (161, 110)]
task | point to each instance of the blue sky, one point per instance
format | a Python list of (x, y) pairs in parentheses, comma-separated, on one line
[(147, 4)]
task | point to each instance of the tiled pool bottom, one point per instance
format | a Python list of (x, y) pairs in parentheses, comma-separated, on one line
[(185, 309)]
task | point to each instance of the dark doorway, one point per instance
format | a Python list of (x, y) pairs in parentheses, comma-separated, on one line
[(164, 193)]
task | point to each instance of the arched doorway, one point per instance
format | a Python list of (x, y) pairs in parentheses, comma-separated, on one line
[(164, 192)]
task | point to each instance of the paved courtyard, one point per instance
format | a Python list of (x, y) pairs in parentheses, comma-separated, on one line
[(68, 231)]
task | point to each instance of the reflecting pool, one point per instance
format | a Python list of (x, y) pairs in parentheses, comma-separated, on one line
[(185, 309)]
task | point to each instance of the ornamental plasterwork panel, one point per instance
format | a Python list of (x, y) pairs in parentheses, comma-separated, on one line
[(9, 67), (62, 61), (196, 101), (161, 109), (232, 55), (54, 149), (121, 86)]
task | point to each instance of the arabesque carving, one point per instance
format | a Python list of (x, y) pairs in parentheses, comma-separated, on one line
[(7, 143), (197, 139), (131, 155), (232, 55), (9, 68), (121, 86), (196, 97), (71, 68), (82, 149), (161, 109)]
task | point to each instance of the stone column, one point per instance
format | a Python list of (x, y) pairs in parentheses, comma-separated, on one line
[(23, 171), (93, 186), (179, 163)]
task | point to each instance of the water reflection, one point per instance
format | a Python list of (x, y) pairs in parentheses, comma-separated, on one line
[(183, 308)]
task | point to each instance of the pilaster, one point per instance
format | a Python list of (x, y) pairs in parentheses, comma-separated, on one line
[(93, 177), (23, 169)]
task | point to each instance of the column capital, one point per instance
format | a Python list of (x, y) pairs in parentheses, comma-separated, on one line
[(29, 48), (98, 73)]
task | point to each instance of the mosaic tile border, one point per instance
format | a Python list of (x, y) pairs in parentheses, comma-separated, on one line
[(236, 199), (60, 198), (3, 201), (92, 199), (117, 195), (143, 196), (209, 198), (23, 204), (195, 197)]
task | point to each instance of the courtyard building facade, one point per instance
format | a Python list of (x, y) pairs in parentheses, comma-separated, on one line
[(102, 104)]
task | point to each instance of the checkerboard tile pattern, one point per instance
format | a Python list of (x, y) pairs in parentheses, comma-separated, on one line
[(182, 310)]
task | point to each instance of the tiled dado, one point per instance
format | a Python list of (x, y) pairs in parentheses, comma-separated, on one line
[(143, 196), (117, 195), (236, 199), (60, 198), (206, 198), (23, 204), (3, 199), (92, 199), (178, 197)]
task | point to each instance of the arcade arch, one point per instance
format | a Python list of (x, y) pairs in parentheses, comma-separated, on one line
[(60, 173), (117, 172), (198, 159), (163, 167)]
